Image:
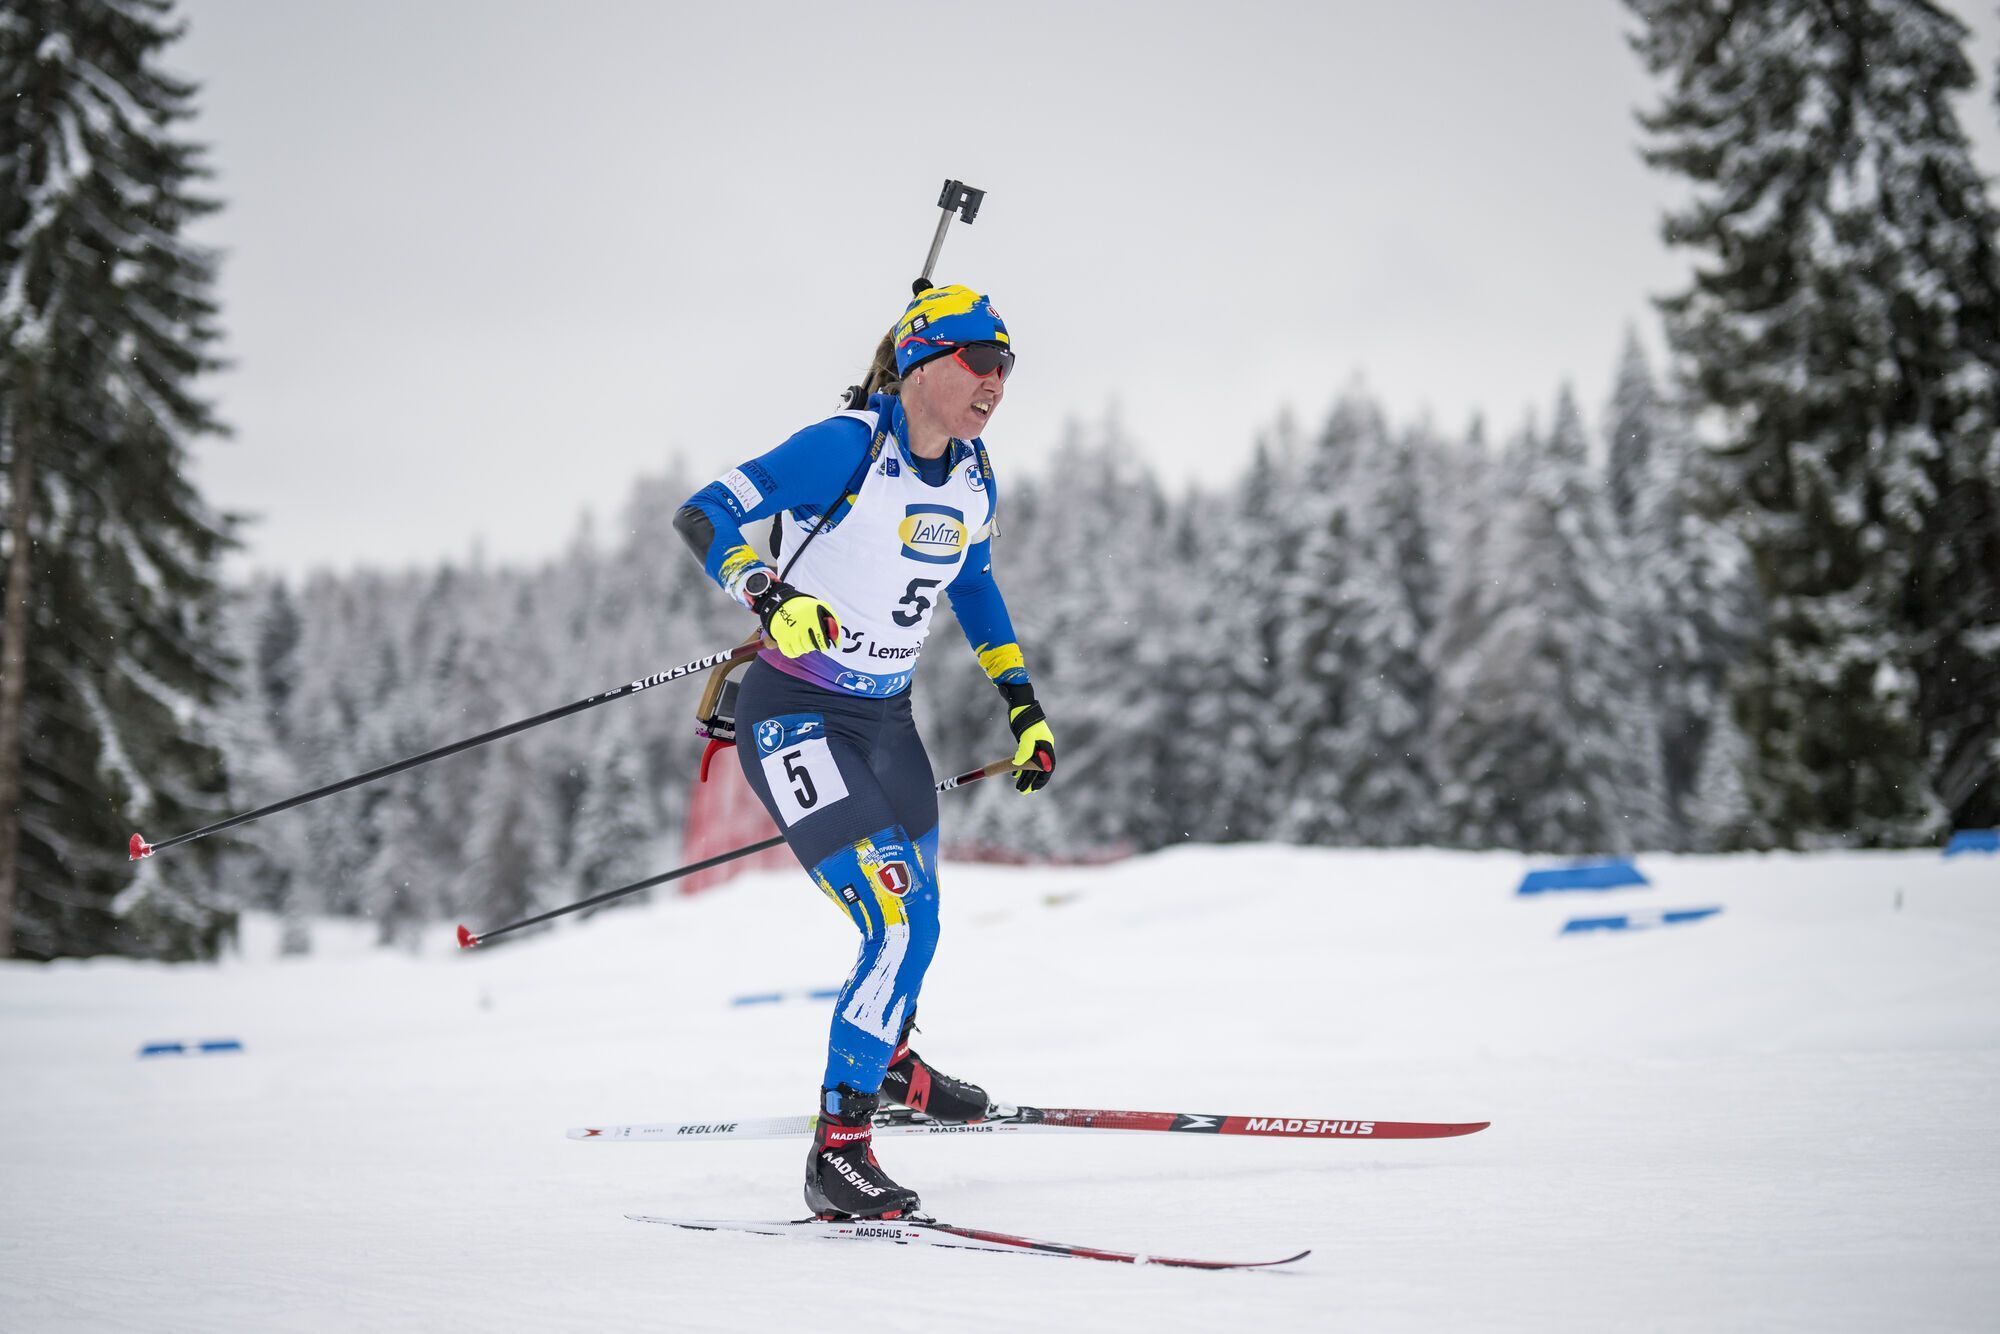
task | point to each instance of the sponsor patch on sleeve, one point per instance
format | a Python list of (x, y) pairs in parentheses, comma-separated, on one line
[(746, 492)]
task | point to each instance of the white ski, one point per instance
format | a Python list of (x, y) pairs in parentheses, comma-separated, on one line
[(766, 1127), (929, 1232)]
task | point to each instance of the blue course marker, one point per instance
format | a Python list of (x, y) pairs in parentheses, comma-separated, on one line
[(1609, 873), (779, 997), (1973, 840), (203, 1047), (1637, 921)]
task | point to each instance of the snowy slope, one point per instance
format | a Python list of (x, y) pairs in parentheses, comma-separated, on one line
[(1784, 1117)]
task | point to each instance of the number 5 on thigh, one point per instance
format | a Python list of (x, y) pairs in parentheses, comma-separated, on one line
[(803, 779)]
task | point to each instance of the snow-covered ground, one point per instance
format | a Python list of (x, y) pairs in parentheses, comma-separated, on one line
[(1783, 1117)]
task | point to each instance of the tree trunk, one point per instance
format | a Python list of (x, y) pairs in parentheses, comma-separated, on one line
[(14, 669)]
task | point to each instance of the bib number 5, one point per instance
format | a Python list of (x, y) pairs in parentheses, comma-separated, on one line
[(803, 779), (803, 790), (913, 598)]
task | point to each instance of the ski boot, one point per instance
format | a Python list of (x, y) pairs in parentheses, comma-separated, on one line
[(922, 1088), (843, 1180)]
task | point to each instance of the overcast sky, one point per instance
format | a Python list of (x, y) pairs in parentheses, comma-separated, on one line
[(489, 260)]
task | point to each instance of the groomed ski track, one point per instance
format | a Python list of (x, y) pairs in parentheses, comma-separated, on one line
[(1780, 1118)]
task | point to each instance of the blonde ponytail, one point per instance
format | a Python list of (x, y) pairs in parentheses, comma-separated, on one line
[(881, 376)]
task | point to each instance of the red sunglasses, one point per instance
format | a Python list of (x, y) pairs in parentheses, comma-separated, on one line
[(982, 359)]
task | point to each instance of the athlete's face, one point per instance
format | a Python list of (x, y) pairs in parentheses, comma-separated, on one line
[(948, 395)]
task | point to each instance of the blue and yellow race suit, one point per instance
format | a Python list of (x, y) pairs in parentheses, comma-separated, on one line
[(828, 740)]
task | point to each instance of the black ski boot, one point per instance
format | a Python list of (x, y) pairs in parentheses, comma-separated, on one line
[(843, 1180), (922, 1088)]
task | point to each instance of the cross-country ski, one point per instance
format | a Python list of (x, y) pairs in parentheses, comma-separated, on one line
[(1030, 1120), (929, 1232)]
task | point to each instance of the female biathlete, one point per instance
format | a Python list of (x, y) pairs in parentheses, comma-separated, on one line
[(881, 509)]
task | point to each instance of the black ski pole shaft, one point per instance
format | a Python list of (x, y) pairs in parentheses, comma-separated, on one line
[(467, 938), (139, 847)]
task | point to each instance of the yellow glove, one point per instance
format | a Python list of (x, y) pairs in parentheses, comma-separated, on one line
[(796, 622), (1034, 744)]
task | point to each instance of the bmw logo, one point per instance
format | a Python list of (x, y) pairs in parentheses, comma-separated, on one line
[(769, 734)]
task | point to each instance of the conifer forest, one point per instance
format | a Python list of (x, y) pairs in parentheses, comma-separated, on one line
[(1745, 596)]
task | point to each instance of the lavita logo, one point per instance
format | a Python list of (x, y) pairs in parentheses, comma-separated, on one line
[(934, 534)]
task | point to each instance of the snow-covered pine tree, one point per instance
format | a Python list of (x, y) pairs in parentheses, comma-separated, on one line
[(274, 656), (1313, 689), (614, 825), (1631, 423), (1474, 488), (1717, 811), (406, 881), (1181, 805), (451, 683), (1846, 326), (1389, 790), (1544, 731), (110, 661), (262, 860), (1230, 712), (1691, 601), (327, 720), (500, 877), (1103, 510)]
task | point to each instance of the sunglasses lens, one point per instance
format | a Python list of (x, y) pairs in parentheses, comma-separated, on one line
[(984, 359)]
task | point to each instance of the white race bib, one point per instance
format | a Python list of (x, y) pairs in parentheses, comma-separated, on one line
[(799, 768)]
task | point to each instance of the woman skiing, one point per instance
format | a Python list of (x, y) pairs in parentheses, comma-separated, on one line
[(880, 510)]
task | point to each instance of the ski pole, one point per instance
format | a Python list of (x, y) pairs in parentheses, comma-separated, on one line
[(467, 939), (139, 847)]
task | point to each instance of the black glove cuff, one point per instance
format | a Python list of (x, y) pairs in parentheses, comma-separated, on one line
[(772, 598), (1019, 694)]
